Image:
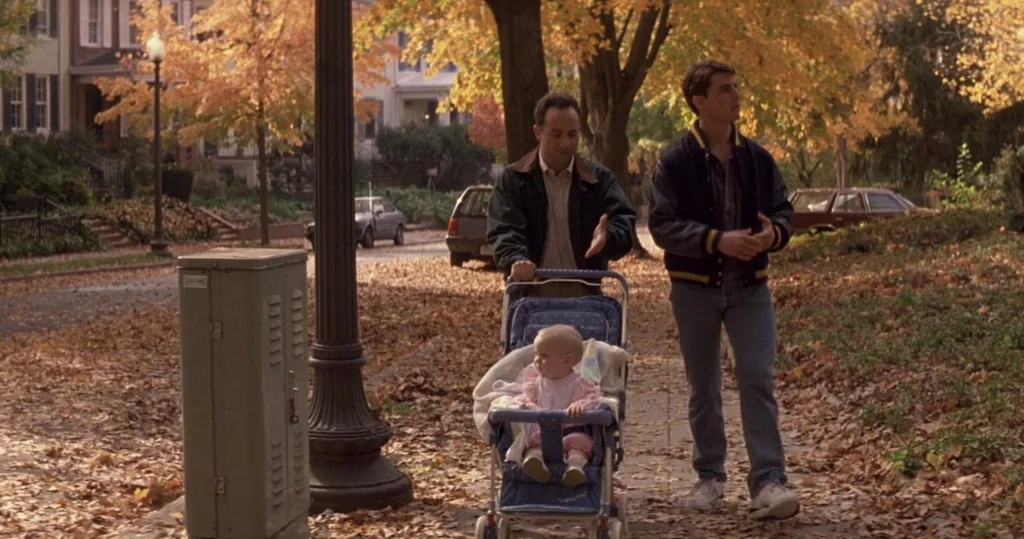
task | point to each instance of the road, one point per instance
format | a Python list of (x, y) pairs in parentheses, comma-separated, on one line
[(73, 305), (77, 304)]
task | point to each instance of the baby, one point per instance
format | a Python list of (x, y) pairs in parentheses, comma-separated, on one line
[(550, 383)]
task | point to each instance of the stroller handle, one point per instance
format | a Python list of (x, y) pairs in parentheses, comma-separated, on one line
[(602, 416), (546, 273)]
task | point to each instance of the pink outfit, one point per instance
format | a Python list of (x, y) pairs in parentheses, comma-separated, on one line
[(540, 393)]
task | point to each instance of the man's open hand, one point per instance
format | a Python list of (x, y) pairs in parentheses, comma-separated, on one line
[(600, 237), (523, 270)]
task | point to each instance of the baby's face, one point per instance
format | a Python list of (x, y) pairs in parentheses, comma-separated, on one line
[(552, 361)]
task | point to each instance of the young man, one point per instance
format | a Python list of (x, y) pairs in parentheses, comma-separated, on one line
[(719, 207), (555, 209)]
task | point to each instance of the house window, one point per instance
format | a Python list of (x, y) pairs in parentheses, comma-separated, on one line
[(42, 111), (17, 103), (43, 17), (93, 22)]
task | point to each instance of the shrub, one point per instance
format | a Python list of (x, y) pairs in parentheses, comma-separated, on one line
[(82, 239), (54, 166), (177, 182), (413, 150), (918, 231), (420, 204), (209, 186), (1008, 176)]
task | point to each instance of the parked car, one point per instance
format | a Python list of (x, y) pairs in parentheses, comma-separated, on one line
[(824, 210), (376, 217), (467, 227)]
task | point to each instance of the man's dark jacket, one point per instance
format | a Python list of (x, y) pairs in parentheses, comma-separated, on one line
[(683, 220), (517, 218)]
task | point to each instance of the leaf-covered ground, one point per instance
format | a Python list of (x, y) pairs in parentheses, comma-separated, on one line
[(900, 369)]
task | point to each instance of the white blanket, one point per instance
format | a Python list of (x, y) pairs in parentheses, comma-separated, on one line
[(602, 363)]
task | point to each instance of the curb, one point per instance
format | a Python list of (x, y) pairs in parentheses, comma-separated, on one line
[(87, 271)]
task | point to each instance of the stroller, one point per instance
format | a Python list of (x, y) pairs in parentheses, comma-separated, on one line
[(603, 319)]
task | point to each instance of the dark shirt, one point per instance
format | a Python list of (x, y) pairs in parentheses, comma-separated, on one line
[(725, 183)]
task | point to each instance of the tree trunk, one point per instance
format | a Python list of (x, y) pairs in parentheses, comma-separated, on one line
[(524, 77), (805, 170), (608, 89), (261, 160), (841, 161), (611, 149)]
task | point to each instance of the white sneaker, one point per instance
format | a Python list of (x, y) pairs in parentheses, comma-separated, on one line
[(774, 502), (705, 496)]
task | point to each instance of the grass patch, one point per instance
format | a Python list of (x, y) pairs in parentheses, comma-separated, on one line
[(21, 269), (921, 320)]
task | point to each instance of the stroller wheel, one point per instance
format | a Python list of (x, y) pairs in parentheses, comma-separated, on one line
[(616, 530), (504, 528), (621, 511), (483, 530)]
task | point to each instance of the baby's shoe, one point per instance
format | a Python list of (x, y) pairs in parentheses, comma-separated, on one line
[(536, 469), (573, 476)]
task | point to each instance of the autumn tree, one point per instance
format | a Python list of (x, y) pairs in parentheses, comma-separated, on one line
[(488, 127), (991, 68), (244, 67), (14, 16)]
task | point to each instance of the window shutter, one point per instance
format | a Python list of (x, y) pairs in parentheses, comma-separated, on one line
[(83, 22), (54, 20), (5, 104), (124, 17), (106, 23), (54, 103), (28, 107)]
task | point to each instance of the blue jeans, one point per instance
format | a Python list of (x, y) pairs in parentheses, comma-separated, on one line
[(750, 323)]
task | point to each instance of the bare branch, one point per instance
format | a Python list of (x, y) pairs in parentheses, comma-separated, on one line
[(625, 27), (651, 53), (641, 41)]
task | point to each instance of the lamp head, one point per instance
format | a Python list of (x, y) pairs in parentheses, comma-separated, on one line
[(156, 49)]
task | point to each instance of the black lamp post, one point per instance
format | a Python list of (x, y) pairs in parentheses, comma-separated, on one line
[(347, 471), (156, 50)]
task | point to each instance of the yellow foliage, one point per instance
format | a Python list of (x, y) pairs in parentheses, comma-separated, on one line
[(992, 65), (804, 64), (241, 63)]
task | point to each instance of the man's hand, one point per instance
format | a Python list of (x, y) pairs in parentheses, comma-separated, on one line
[(523, 270), (600, 237), (575, 409), (766, 237), (740, 244)]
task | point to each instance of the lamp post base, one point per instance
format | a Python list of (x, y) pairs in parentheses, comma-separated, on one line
[(343, 486), (159, 248), (346, 469)]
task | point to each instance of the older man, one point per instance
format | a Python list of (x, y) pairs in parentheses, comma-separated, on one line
[(555, 209)]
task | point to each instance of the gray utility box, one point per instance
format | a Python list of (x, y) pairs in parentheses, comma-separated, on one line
[(244, 361)]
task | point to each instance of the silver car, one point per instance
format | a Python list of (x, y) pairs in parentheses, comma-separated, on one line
[(376, 217)]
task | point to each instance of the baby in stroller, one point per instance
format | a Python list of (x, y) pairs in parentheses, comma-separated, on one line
[(551, 383), (554, 406)]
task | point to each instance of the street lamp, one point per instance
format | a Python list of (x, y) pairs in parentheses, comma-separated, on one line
[(347, 471), (156, 50)]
